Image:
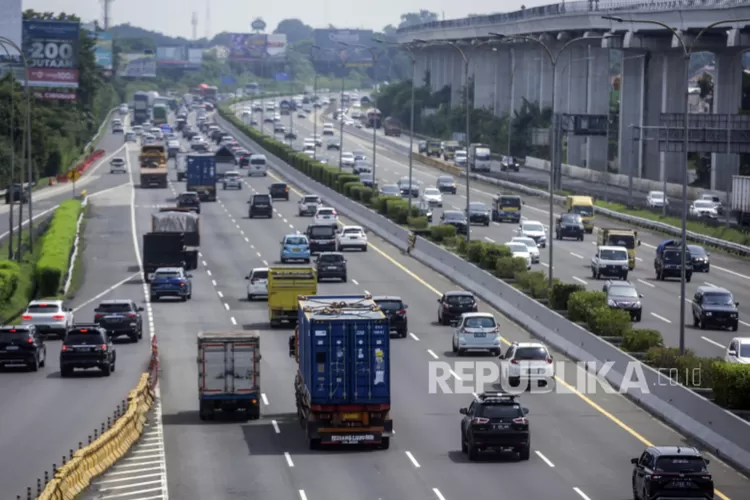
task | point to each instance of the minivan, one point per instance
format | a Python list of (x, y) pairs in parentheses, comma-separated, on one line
[(257, 166)]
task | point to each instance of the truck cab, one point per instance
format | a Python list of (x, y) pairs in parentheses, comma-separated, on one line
[(434, 147), (285, 286), (583, 206), (480, 158), (622, 238)]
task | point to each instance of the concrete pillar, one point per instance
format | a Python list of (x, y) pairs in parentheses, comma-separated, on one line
[(632, 95), (484, 66), (577, 72), (562, 82), (545, 76), (502, 64), (520, 76), (455, 76), (420, 68), (727, 99), (673, 89), (597, 103)]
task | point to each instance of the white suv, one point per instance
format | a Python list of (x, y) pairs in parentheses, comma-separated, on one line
[(477, 331), (351, 237), (118, 166), (530, 361), (326, 216), (50, 317), (738, 351), (257, 283)]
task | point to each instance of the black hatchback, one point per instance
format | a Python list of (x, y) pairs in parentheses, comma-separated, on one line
[(190, 200), (495, 421), (671, 472), (395, 310), (260, 206), (22, 345), (715, 307), (456, 219), (453, 304), (279, 190), (331, 265)]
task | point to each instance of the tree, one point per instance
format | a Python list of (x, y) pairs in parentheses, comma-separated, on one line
[(295, 30), (414, 18)]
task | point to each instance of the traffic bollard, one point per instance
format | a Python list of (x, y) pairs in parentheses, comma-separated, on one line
[(46, 478), (28, 493), (89, 438), (71, 455), (54, 469), (80, 445), (65, 461), (38, 486)]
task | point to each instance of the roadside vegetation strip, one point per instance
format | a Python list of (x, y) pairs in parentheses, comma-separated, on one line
[(588, 309), (90, 461), (57, 245)]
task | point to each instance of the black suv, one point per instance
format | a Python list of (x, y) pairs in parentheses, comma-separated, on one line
[(671, 472), (120, 317), (190, 200), (495, 421), (87, 346), (17, 193), (623, 295), (22, 345), (456, 219), (701, 259), (279, 190), (331, 265), (395, 309), (668, 262), (453, 305), (478, 213), (260, 205), (322, 238), (715, 307), (569, 226)]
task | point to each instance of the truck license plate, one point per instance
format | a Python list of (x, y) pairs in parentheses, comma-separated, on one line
[(352, 416)]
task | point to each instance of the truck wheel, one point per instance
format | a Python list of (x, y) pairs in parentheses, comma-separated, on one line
[(314, 444), (385, 443), (473, 452), (253, 413), (524, 452)]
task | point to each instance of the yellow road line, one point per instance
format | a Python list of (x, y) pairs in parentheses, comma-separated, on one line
[(572, 389)]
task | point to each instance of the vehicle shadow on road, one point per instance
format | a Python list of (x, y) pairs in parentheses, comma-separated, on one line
[(458, 457)]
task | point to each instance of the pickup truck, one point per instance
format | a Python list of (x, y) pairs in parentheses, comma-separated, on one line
[(50, 317)]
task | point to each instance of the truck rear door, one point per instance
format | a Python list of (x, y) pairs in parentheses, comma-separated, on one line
[(214, 368), (370, 373), (230, 368)]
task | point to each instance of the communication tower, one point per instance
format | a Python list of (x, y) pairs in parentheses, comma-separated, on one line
[(194, 22)]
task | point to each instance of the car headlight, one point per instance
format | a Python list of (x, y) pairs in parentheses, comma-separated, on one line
[(733, 315), (611, 303), (625, 266), (708, 314), (638, 304)]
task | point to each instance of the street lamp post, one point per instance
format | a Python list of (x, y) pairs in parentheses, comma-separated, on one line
[(687, 53), (342, 56), (553, 152)]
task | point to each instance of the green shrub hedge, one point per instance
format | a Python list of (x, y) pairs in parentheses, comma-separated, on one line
[(442, 232), (607, 322), (731, 385), (580, 305), (641, 340), (560, 293), (57, 244)]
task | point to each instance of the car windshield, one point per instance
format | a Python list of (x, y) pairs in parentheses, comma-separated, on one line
[(697, 251), (188, 196), (622, 240), (614, 255), (311, 199), (460, 299), (257, 161), (570, 219), (260, 198), (432, 192), (42, 308), (657, 195), (482, 322), (583, 210), (232, 175), (531, 353), (167, 275), (680, 464), (533, 227), (325, 211), (390, 189), (353, 230), (445, 180), (322, 232), (477, 207), (672, 256), (7, 335), (296, 240), (390, 305), (83, 338), (623, 291), (278, 187), (718, 299), (331, 258), (703, 204), (518, 248), (260, 275), (509, 201), (744, 351), (365, 177), (114, 308), (499, 411), (458, 216)]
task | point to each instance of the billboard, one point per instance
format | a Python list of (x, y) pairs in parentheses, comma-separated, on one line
[(257, 47), (332, 52), (195, 57), (171, 56), (137, 66), (51, 49), (103, 50), (276, 47)]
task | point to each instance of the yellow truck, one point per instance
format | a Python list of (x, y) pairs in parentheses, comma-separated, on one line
[(449, 150), (620, 238), (583, 206), (434, 148), (153, 162), (285, 286)]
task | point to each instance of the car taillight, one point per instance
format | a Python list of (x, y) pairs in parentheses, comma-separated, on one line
[(98, 316), (103, 347), (64, 348), (521, 420), (26, 317), (514, 361), (401, 312), (334, 213), (479, 420), (131, 315), (549, 361), (29, 340), (58, 317), (182, 284)]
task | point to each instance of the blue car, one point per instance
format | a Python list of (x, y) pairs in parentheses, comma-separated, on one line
[(295, 247), (171, 282)]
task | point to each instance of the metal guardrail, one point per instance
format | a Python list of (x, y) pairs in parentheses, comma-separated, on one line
[(553, 10)]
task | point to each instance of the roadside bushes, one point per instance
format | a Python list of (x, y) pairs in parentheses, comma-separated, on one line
[(506, 268), (442, 232), (731, 385), (641, 340), (57, 245), (580, 305), (492, 252), (607, 322), (560, 293), (534, 283)]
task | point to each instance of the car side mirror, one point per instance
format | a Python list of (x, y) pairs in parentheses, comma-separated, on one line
[(247, 277), (525, 411), (501, 356), (732, 353), (639, 242), (707, 461), (438, 301), (405, 306), (634, 461), (249, 202), (140, 309), (463, 411), (737, 304), (640, 295), (189, 275), (708, 254)]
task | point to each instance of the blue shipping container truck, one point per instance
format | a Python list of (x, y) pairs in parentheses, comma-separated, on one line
[(343, 383), (201, 175)]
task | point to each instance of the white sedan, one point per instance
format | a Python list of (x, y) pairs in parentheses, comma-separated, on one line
[(531, 245), (520, 250), (118, 166), (326, 216), (257, 285), (347, 159), (656, 199), (351, 237), (703, 208), (433, 197)]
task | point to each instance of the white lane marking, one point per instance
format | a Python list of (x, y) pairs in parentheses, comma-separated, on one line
[(710, 284), (579, 280), (438, 494), (200, 254), (489, 239), (122, 479), (204, 263), (234, 321), (545, 264), (136, 471), (717, 344), (432, 353), (367, 293), (302, 495), (545, 459), (727, 271), (580, 493), (355, 282), (208, 271), (413, 336), (661, 318), (413, 460), (744, 323), (288, 459), (275, 427), (247, 240), (576, 255), (258, 253), (286, 221), (226, 306), (637, 258), (252, 246), (105, 292), (646, 283), (213, 282), (265, 263), (291, 226), (455, 375)]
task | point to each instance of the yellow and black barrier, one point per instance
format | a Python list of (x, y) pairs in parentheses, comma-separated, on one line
[(439, 164), (90, 461), (412, 242)]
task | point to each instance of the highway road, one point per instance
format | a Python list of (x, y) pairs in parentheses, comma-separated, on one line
[(572, 259), (44, 415), (46, 199), (582, 443)]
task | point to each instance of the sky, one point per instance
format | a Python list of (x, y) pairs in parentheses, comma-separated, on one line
[(173, 17)]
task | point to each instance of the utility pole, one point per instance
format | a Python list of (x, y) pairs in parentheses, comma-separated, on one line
[(194, 22), (107, 4), (208, 19)]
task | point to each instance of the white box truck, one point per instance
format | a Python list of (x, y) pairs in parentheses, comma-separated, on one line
[(480, 158), (740, 205), (229, 374)]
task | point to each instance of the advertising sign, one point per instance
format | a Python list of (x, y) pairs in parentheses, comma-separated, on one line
[(330, 40), (51, 49), (103, 50), (247, 47), (11, 19), (195, 57), (54, 95), (276, 47), (170, 56), (258, 24), (137, 66)]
